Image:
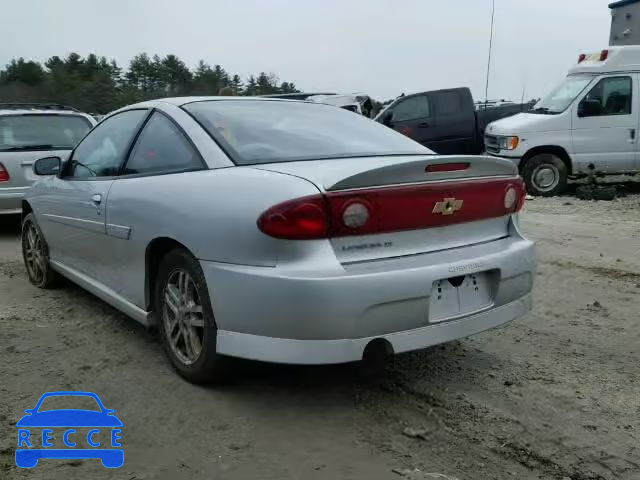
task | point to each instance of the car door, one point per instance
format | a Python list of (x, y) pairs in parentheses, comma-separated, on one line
[(605, 125), (412, 116), (73, 211), (157, 165), (454, 125)]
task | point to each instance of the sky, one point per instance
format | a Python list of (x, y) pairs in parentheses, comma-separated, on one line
[(381, 47)]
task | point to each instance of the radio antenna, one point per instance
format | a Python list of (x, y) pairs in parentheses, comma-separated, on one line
[(493, 13)]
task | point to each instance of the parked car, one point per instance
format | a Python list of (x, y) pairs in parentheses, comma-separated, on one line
[(356, 102), (280, 231), (360, 104), (445, 121), (587, 125), (29, 131)]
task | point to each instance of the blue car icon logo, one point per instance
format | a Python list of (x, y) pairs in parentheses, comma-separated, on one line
[(99, 430)]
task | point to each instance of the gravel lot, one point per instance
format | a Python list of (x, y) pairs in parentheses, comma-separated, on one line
[(553, 396)]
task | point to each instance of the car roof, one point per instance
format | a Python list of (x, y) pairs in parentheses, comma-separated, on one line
[(180, 101), (25, 107), (6, 112)]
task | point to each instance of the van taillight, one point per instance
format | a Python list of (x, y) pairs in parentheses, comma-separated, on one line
[(390, 209), (4, 175)]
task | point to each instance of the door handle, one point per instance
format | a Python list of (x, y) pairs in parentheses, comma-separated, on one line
[(97, 199), (632, 135), (424, 124)]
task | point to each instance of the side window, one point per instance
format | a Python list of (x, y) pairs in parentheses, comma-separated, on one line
[(101, 153), (610, 96), (412, 108), (447, 103), (162, 147)]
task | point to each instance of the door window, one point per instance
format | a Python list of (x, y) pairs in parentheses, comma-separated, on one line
[(412, 108), (102, 151), (610, 96), (447, 103), (162, 147)]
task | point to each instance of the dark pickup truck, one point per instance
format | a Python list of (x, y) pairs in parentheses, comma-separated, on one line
[(445, 121)]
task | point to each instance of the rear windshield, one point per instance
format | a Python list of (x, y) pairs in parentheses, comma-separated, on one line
[(256, 132), (35, 131)]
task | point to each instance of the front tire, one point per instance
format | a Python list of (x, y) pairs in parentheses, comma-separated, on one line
[(185, 316), (35, 253), (545, 175)]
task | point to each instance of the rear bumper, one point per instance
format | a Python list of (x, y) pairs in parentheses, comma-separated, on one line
[(319, 352), (11, 199), (320, 317)]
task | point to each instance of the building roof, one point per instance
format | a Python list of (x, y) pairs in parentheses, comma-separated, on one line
[(622, 3)]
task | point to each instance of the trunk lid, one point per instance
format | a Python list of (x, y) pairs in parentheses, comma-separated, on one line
[(418, 204), (343, 174)]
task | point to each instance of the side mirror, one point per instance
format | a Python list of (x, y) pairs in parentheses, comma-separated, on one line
[(589, 108), (47, 166), (387, 118)]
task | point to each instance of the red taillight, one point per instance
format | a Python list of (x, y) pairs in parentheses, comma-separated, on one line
[(391, 209), (604, 55), (446, 167), (582, 57), (302, 219), (4, 175)]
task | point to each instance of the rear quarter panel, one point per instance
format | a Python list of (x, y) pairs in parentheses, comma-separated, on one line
[(213, 213)]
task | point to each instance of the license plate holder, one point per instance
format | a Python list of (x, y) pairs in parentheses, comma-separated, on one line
[(459, 296)]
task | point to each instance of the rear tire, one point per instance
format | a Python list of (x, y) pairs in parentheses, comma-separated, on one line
[(35, 254), (185, 316), (545, 175)]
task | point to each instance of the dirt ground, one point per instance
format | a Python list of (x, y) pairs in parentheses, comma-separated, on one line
[(555, 395)]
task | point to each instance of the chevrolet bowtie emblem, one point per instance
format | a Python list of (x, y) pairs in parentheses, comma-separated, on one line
[(448, 206)]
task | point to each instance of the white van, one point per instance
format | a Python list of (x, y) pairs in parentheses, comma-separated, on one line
[(588, 124)]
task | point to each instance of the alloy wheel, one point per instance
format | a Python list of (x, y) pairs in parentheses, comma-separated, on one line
[(34, 253), (183, 317)]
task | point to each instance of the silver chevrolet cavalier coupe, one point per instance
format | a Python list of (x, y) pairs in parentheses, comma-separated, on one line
[(281, 231)]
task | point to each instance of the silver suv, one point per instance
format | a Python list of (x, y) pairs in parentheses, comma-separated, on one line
[(29, 131)]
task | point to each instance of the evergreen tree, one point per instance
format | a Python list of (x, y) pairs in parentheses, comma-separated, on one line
[(175, 75), (236, 84), (29, 73), (252, 86), (205, 80), (97, 84)]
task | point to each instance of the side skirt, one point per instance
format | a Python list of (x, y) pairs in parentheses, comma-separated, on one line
[(104, 293)]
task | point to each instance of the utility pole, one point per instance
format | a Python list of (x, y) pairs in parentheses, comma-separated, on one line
[(493, 13)]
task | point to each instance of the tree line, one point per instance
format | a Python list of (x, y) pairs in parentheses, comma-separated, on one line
[(96, 84)]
